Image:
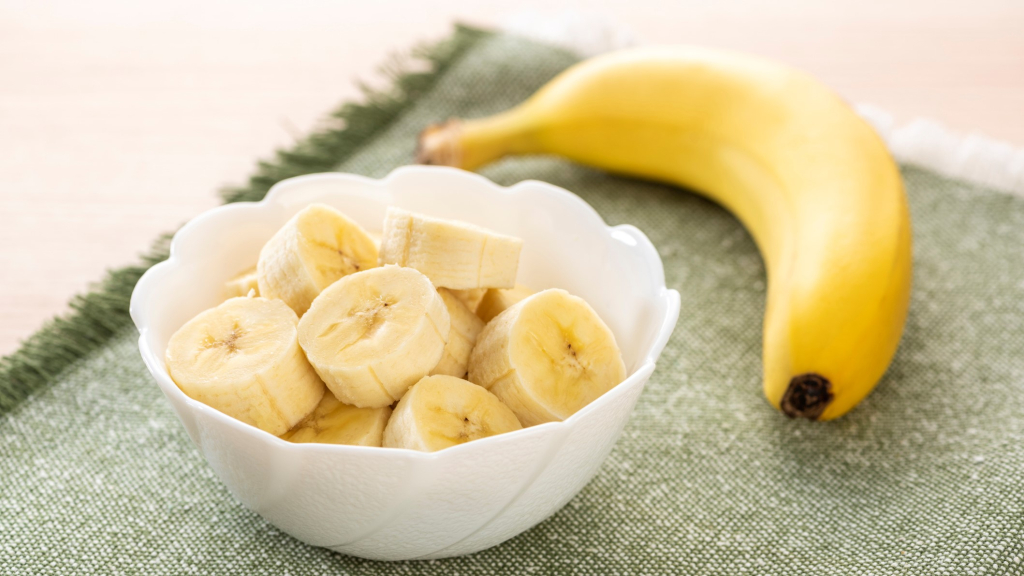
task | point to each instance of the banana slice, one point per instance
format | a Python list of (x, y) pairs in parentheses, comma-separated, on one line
[(243, 358), (373, 334), (333, 422), (471, 297), (443, 411), (241, 285), (313, 250), (495, 301), (461, 339), (547, 357), (452, 254)]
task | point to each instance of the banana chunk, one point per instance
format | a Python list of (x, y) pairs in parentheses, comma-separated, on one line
[(461, 338), (443, 411), (334, 422), (243, 359), (241, 285), (313, 250), (547, 357), (452, 254), (495, 301), (471, 297), (373, 334)]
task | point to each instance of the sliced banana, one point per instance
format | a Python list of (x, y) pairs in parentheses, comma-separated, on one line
[(333, 422), (243, 358), (461, 338), (313, 250), (495, 301), (452, 254), (471, 297), (443, 411), (373, 334), (547, 357), (241, 285)]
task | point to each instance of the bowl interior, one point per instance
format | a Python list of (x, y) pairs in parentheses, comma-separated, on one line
[(565, 245)]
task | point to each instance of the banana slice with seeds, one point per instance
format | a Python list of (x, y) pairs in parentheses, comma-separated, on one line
[(373, 334), (334, 422), (547, 357), (243, 358), (461, 338), (495, 301), (452, 254), (443, 411), (313, 250)]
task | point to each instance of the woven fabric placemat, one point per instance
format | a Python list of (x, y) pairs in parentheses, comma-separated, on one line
[(925, 477)]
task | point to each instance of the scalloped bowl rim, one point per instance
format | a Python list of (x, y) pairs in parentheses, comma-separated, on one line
[(154, 359)]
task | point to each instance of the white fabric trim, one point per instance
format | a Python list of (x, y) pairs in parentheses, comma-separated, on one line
[(583, 33), (922, 142), (971, 157)]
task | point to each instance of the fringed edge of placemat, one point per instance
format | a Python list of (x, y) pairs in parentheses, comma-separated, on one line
[(101, 312)]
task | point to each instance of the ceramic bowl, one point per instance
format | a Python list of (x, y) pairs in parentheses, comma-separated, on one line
[(393, 504)]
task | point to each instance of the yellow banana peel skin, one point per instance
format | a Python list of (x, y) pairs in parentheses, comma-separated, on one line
[(811, 181)]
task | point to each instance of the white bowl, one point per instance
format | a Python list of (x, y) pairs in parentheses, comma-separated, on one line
[(392, 504)]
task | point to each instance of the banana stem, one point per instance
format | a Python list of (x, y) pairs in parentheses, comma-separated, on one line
[(473, 143)]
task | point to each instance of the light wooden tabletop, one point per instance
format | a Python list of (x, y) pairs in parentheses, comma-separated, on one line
[(119, 120)]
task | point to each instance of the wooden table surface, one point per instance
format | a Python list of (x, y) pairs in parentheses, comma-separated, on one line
[(119, 120)]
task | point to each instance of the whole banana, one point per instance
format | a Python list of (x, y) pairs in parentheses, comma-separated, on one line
[(811, 181)]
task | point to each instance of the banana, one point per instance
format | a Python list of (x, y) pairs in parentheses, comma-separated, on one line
[(496, 301), (452, 254), (241, 285), (547, 357), (443, 411), (471, 297), (810, 180), (374, 333), (333, 422), (461, 338), (314, 249), (243, 359)]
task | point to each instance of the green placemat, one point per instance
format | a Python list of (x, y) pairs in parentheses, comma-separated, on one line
[(923, 478)]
